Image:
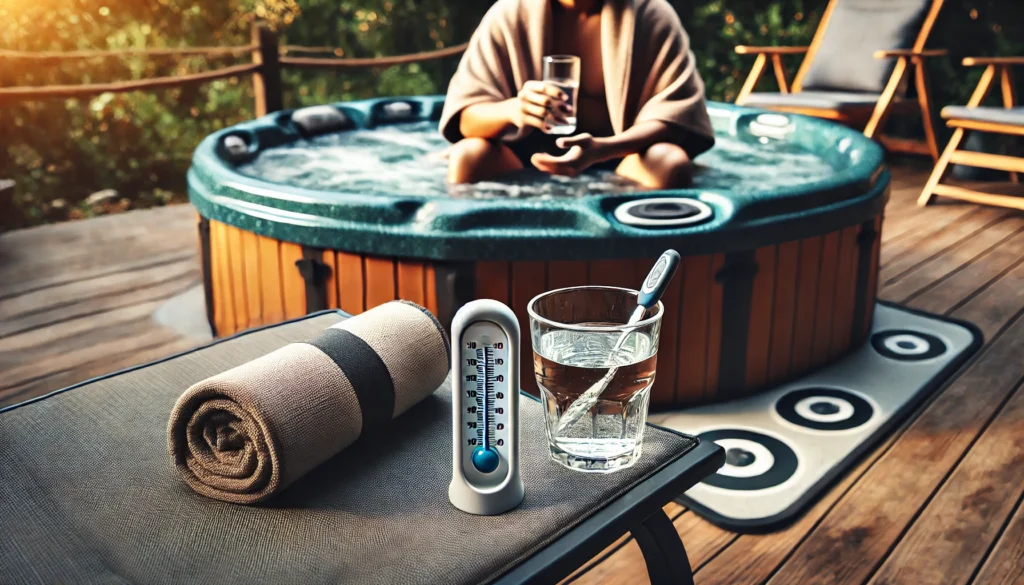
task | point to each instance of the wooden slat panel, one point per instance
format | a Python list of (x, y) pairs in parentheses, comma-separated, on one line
[(806, 301), (695, 273), (430, 288), (825, 308), (613, 273), (293, 287), (529, 279), (410, 281), (271, 284), (493, 281), (846, 293), (784, 311), (869, 312), (351, 283), (224, 297), (253, 286), (236, 255), (329, 257), (761, 308), (714, 329), (562, 274), (983, 490), (380, 280), (664, 390)]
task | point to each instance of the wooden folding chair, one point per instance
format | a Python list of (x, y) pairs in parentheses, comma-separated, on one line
[(848, 73), (1008, 119)]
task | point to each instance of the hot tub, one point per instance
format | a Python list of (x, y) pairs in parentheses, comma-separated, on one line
[(346, 206)]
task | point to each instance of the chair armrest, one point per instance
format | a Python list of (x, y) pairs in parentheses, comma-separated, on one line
[(972, 61), (887, 53), (747, 50)]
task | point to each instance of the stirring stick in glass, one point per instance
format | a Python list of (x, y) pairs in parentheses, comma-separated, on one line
[(650, 293)]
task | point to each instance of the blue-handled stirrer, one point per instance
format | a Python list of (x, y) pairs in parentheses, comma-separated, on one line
[(653, 288)]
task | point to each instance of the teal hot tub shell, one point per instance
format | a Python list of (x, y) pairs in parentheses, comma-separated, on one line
[(766, 260)]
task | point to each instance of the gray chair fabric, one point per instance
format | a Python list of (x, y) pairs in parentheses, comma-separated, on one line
[(88, 493), (845, 60), (995, 115), (823, 100)]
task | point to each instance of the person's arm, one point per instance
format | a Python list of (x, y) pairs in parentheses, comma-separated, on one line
[(487, 120), (531, 107), (633, 140)]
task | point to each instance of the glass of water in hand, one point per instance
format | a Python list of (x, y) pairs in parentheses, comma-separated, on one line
[(563, 72), (581, 341)]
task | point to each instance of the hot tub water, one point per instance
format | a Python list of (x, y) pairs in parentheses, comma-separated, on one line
[(409, 159)]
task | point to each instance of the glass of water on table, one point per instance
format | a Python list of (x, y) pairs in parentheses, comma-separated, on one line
[(580, 336), (563, 72)]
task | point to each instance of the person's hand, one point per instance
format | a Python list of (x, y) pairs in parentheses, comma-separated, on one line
[(584, 151), (538, 105)]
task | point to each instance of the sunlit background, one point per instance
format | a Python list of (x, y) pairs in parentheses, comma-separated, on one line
[(77, 158)]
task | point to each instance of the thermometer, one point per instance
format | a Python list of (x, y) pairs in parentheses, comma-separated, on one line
[(485, 409)]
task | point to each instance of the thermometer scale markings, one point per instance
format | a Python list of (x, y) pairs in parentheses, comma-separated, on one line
[(485, 454), (483, 373)]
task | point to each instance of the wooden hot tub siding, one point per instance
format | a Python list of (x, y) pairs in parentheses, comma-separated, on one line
[(734, 323)]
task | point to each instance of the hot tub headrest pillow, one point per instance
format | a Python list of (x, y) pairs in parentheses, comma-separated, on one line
[(251, 431)]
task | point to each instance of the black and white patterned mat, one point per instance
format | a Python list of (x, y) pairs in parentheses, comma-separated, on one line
[(785, 447)]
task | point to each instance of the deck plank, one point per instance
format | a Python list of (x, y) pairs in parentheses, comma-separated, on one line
[(926, 245), (933, 271), (77, 299), (859, 532), (959, 288), (977, 498), (1005, 566)]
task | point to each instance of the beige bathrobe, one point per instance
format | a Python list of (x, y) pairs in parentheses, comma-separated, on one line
[(649, 70)]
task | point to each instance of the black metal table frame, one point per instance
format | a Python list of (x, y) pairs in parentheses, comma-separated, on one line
[(638, 511)]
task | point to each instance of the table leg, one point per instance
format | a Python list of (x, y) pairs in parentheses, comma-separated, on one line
[(663, 551)]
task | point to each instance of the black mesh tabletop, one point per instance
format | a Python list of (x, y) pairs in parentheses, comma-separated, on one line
[(88, 493)]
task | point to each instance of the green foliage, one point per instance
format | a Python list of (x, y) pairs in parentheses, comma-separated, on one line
[(60, 151)]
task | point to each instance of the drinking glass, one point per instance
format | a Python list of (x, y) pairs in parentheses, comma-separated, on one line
[(580, 340), (563, 71)]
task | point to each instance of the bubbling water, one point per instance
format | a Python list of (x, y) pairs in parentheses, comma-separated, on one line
[(410, 159)]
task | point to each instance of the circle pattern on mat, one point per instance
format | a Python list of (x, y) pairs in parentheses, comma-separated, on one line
[(753, 461), (824, 409), (907, 346)]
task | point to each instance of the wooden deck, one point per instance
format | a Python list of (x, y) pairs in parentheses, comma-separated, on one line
[(938, 502)]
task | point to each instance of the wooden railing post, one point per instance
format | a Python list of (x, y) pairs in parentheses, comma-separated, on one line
[(266, 82)]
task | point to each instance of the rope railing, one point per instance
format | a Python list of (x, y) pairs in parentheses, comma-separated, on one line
[(93, 89), (268, 60), (93, 54), (354, 62)]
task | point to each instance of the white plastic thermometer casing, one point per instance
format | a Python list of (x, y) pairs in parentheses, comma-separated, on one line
[(485, 409)]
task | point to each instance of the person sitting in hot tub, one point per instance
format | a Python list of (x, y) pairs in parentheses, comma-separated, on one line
[(641, 108)]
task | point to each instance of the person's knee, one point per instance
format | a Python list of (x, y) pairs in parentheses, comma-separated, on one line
[(470, 150), (670, 163), (466, 158)]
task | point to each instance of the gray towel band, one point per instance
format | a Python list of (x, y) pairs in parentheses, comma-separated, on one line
[(367, 372)]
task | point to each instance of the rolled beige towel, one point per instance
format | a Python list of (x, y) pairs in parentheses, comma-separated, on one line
[(251, 431)]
